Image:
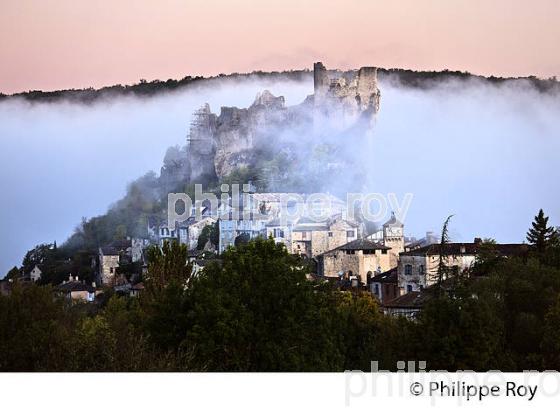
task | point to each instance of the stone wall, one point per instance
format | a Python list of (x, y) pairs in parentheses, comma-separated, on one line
[(218, 144), (359, 263), (108, 265)]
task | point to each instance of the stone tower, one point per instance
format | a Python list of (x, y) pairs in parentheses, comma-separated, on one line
[(201, 146), (343, 98), (393, 237)]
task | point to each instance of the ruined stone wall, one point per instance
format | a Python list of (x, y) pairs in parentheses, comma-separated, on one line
[(201, 144), (218, 144), (345, 97)]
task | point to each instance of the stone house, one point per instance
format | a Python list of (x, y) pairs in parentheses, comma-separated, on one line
[(253, 214), (418, 268), (280, 232), (165, 233), (311, 238), (194, 229), (35, 274), (385, 286), (360, 258), (75, 290), (109, 258), (407, 305)]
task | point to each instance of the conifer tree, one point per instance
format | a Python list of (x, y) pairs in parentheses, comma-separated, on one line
[(542, 236)]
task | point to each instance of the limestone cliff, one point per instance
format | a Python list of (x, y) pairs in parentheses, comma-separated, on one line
[(218, 144)]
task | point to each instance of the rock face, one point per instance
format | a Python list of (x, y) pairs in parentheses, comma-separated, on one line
[(240, 131), (218, 144), (345, 97)]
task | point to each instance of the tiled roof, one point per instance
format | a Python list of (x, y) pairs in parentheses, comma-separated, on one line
[(410, 300), (391, 276), (467, 248), (361, 244), (109, 251), (75, 286)]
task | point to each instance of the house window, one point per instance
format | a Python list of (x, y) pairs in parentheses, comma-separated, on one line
[(409, 288), (376, 289), (408, 269), (111, 270), (384, 251), (278, 233), (349, 234), (421, 269), (350, 251), (330, 234)]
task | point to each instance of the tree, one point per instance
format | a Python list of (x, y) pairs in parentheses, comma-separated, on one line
[(12, 274), (40, 255), (120, 232), (209, 233), (443, 270), (34, 330), (461, 333), (241, 239), (258, 312), (540, 235), (167, 265), (551, 339)]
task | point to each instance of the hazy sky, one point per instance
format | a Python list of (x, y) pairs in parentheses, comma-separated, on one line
[(53, 44)]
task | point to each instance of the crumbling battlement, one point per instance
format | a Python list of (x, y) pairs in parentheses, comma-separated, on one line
[(347, 94), (218, 144)]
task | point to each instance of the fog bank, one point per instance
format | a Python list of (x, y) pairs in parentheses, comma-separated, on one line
[(488, 154)]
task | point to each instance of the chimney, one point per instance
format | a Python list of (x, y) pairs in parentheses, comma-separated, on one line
[(93, 285), (462, 249), (70, 278)]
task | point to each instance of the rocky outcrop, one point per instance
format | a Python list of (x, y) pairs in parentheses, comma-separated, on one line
[(218, 144)]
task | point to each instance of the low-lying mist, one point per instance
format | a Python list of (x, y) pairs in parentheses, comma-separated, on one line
[(486, 153), (62, 161)]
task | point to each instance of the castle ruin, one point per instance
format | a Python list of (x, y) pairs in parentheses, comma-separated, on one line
[(218, 144)]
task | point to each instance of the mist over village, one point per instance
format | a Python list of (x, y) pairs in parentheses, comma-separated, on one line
[(361, 199)]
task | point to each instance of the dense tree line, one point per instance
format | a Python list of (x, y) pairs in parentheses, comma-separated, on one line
[(144, 88), (255, 309)]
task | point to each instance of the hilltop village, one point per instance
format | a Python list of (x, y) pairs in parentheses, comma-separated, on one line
[(344, 250), (277, 280)]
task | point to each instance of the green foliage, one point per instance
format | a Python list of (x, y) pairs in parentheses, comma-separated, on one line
[(459, 334), (258, 312), (209, 233), (13, 273), (255, 309), (540, 235), (242, 239), (41, 254), (167, 265), (551, 337), (35, 330)]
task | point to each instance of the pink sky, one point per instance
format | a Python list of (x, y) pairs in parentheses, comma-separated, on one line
[(54, 44)]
